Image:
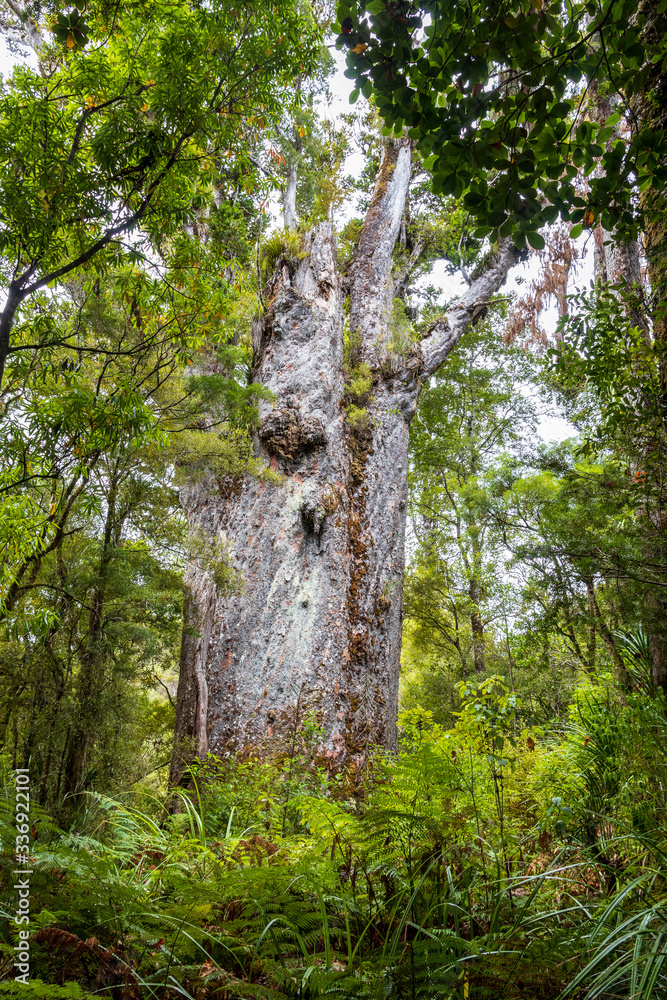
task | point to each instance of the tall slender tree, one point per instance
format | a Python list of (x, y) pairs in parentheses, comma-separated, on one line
[(474, 408)]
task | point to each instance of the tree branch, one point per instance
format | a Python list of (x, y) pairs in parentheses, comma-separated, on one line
[(447, 332), (370, 270)]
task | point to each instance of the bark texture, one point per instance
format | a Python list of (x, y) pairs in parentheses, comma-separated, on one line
[(320, 549), (289, 199), (18, 26)]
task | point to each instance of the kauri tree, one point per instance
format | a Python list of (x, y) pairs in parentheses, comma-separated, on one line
[(318, 551)]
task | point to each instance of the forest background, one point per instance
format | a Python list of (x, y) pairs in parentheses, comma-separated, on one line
[(160, 166)]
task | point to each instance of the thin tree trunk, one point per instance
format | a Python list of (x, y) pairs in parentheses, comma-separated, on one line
[(6, 323), (289, 199), (91, 671), (32, 563), (475, 594), (605, 632), (319, 549), (477, 627), (651, 110)]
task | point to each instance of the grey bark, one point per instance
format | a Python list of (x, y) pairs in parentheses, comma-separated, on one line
[(615, 261), (622, 266), (319, 549), (289, 199), (18, 26)]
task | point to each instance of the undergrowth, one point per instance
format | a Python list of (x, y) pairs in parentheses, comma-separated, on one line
[(483, 861)]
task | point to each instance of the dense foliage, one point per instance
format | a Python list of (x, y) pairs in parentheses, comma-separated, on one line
[(496, 98), (514, 845), (485, 860)]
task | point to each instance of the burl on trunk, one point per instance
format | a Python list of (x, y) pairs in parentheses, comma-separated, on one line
[(316, 619)]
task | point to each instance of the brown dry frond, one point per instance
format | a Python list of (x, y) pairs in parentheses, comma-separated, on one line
[(556, 261), (88, 961)]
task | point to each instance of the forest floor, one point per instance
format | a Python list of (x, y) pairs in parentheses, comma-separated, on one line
[(487, 860)]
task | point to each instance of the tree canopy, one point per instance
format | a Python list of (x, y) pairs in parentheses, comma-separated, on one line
[(497, 98), (106, 156)]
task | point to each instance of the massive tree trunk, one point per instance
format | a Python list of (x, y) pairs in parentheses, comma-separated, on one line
[(318, 549)]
